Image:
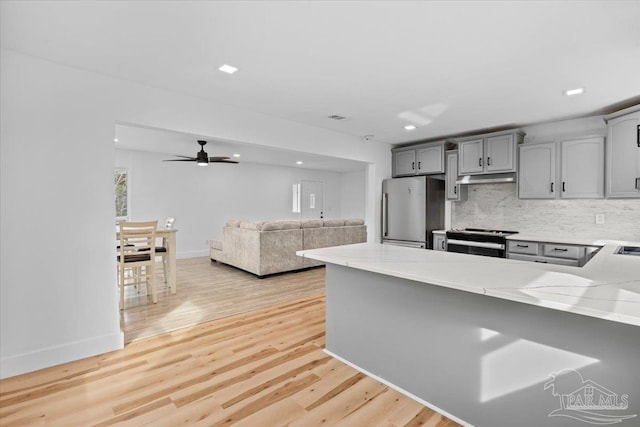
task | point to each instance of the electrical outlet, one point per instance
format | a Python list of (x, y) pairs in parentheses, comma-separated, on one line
[(600, 219)]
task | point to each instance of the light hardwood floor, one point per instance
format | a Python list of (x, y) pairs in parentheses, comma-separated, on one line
[(259, 369), (208, 290)]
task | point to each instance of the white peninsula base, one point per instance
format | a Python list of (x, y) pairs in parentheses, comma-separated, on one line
[(481, 360)]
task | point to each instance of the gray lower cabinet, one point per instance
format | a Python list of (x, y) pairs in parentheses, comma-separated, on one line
[(439, 242), (550, 253), (455, 192), (623, 153)]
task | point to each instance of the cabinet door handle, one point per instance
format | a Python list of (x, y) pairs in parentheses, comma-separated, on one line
[(560, 250), (564, 189), (522, 246), (541, 262), (455, 189), (488, 161), (480, 161), (637, 186), (552, 187), (419, 165), (413, 165), (443, 244)]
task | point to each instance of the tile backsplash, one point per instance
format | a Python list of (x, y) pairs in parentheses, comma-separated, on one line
[(497, 206)]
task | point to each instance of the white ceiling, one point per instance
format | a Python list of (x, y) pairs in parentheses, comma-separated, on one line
[(177, 143), (448, 67)]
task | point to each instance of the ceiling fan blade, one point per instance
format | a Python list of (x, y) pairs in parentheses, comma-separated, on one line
[(181, 160), (214, 159), (185, 157), (222, 161)]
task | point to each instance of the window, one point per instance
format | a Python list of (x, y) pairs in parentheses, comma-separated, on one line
[(122, 193)]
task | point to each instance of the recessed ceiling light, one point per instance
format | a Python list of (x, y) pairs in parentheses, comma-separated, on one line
[(115, 139), (228, 69), (409, 127), (236, 155), (571, 92), (299, 162)]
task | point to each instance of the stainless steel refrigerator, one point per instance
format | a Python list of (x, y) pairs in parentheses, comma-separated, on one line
[(412, 208)]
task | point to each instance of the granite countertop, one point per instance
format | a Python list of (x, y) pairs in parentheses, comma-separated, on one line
[(607, 287)]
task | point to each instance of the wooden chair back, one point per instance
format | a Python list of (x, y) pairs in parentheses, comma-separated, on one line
[(137, 239)]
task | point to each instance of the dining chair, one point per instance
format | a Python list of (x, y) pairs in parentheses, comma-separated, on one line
[(137, 253), (162, 250)]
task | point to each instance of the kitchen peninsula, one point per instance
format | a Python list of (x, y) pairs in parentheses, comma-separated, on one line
[(478, 338)]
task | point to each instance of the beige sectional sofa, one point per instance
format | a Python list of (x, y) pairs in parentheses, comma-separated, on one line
[(268, 247)]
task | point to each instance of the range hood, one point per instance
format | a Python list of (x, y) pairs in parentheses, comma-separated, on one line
[(492, 178)]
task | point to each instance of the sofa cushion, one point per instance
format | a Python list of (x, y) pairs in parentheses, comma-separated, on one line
[(233, 223), (354, 221), (251, 225), (311, 223), (334, 222), (280, 225)]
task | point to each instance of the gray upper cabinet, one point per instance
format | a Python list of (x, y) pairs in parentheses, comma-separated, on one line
[(500, 153), (580, 175), (404, 162), (423, 159), (582, 168), (430, 159), (537, 171), (623, 153), (455, 192), (471, 157), (491, 153)]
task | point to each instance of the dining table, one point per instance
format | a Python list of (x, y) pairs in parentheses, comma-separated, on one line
[(168, 236)]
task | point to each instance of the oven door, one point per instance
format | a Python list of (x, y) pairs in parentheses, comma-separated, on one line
[(476, 248)]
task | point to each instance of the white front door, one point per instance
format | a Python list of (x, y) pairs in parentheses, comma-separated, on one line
[(312, 200)]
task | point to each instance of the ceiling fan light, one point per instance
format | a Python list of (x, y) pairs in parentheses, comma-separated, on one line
[(202, 158)]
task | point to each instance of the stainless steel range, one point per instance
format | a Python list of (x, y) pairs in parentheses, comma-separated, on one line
[(478, 241)]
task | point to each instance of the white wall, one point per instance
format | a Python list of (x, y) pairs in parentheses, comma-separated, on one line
[(58, 295), (203, 199), (353, 185)]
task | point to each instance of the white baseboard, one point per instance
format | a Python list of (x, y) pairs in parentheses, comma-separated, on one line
[(192, 254), (400, 390), (52, 356)]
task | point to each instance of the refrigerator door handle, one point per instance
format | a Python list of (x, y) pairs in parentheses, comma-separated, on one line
[(385, 214)]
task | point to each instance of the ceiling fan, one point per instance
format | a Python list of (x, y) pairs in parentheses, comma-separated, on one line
[(202, 158)]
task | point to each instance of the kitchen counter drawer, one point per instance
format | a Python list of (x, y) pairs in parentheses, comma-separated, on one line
[(519, 247), (546, 260), (563, 251)]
